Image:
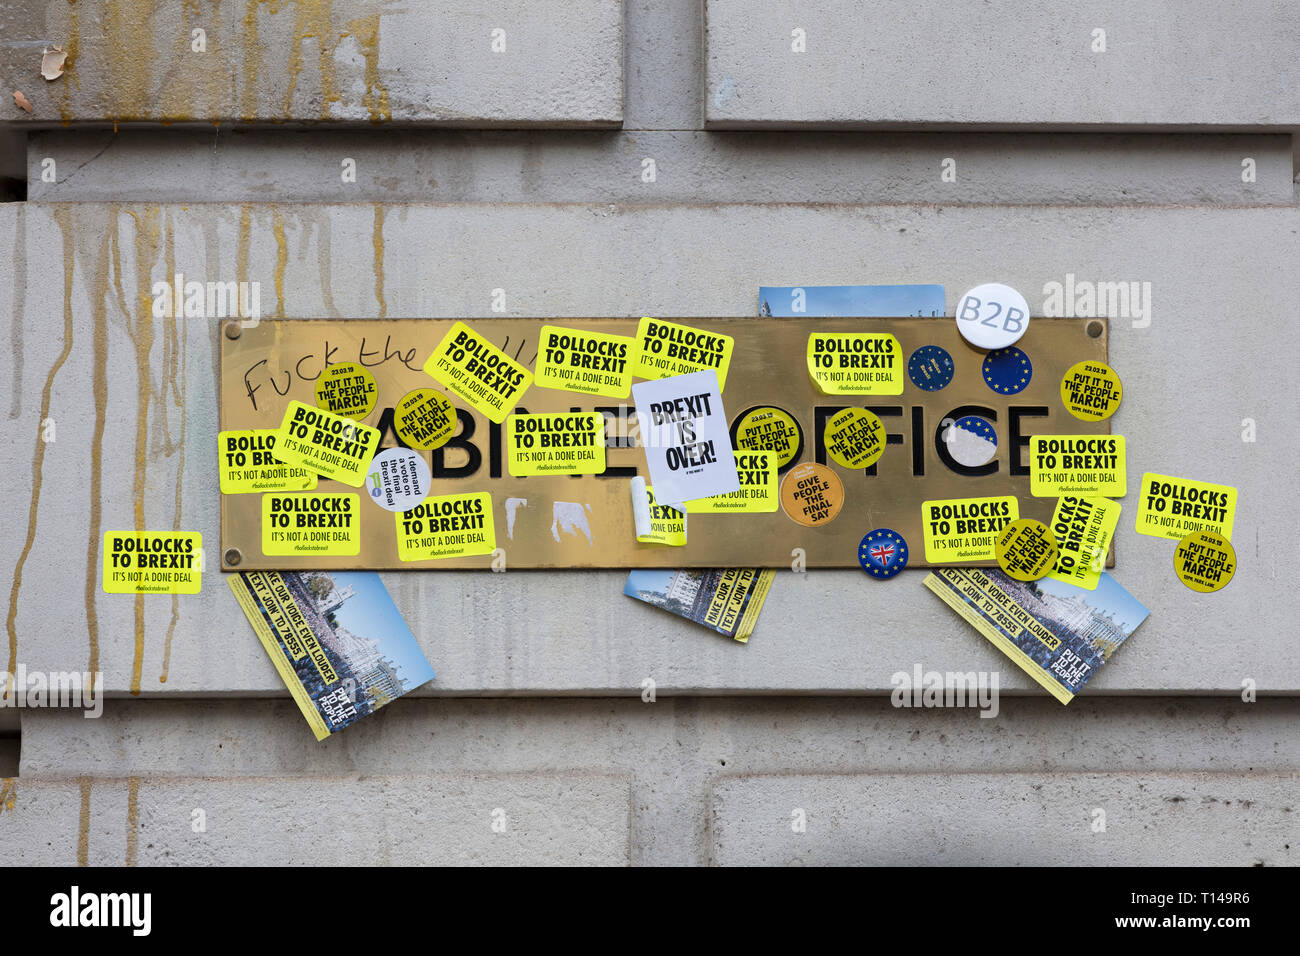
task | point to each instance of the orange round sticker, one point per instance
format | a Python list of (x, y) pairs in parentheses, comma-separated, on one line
[(811, 494)]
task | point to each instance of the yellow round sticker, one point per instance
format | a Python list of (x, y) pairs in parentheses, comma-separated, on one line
[(424, 418), (811, 494), (1205, 561), (1026, 549), (346, 389), (769, 429), (1091, 391), (855, 438)]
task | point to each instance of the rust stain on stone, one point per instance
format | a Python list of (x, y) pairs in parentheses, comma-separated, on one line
[(312, 18), (180, 347), (8, 794), (252, 55), (132, 819), (324, 260), (71, 46), (244, 241), (375, 99), (140, 326), (142, 75), (83, 823), (145, 80), (62, 217), (99, 388), (377, 240), (281, 258), (186, 92)]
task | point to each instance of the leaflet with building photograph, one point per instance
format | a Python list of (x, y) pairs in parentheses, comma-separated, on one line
[(727, 601), (1058, 633), (823, 301), (336, 639)]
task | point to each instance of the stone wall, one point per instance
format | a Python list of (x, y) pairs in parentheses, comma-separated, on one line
[(667, 158)]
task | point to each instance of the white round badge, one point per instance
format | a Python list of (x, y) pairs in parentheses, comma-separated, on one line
[(398, 479), (992, 316), (971, 441)]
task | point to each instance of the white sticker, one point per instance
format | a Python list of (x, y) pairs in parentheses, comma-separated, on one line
[(687, 443), (971, 441), (992, 316), (398, 479)]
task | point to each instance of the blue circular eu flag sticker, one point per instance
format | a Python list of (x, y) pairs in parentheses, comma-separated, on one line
[(930, 368), (1007, 370), (882, 553)]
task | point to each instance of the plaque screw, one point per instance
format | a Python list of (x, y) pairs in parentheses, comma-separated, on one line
[(1094, 330), (233, 330), (233, 557)]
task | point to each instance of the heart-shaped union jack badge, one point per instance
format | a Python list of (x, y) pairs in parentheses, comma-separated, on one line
[(882, 553)]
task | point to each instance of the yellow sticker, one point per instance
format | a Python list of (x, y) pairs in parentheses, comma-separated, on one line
[(736, 599), (1026, 549), (1091, 391), (346, 389), (768, 428), (855, 438), (328, 524), (856, 363), (1083, 528), (1088, 465), (667, 349), (335, 446), (555, 444), (1205, 561), (424, 418), (1175, 507), (594, 363), (965, 529), (447, 526), (246, 465), (286, 617), (758, 491), (476, 370), (153, 562), (667, 525)]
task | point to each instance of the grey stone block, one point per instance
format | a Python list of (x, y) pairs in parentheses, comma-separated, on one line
[(398, 820), (755, 734), (673, 749), (987, 819), (907, 64), (1221, 287), (392, 166), (554, 64)]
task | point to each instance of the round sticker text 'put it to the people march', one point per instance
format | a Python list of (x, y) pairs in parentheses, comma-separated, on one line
[(855, 438)]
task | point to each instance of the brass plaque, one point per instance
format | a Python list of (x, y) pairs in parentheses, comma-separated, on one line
[(586, 521)]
